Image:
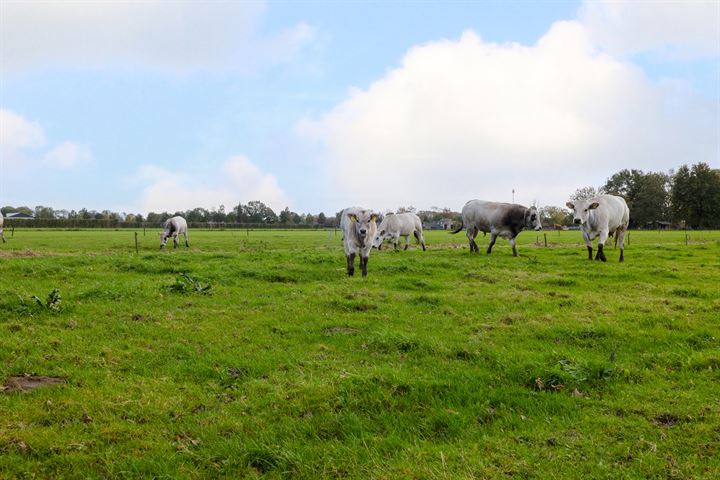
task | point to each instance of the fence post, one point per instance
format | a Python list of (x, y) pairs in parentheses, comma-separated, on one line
[(545, 235), (136, 244)]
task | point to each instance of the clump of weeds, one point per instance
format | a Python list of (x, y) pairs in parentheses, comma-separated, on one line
[(185, 284)]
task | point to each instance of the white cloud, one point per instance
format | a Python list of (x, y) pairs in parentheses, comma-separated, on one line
[(17, 132), (471, 119), (166, 36), (237, 180), (68, 155), (674, 28), (22, 142)]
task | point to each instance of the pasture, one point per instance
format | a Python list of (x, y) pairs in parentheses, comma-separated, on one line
[(265, 359)]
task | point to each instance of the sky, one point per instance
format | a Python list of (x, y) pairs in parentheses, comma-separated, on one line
[(317, 105)]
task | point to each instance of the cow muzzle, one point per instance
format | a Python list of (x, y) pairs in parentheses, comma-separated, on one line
[(577, 221)]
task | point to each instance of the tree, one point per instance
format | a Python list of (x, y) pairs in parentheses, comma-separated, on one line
[(309, 219), (647, 195), (285, 216), (695, 196), (409, 209), (321, 219), (44, 212), (584, 193), (258, 212), (555, 216)]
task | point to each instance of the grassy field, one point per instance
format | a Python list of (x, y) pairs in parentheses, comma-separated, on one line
[(266, 360)]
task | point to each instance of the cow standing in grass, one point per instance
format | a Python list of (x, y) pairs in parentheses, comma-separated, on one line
[(2, 235), (358, 227), (603, 216), (394, 226), (506, 220), (174, 227)]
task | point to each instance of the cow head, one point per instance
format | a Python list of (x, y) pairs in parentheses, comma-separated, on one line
[(163, 239), (364, 226), (581, 210), (381, 236), (532, 219)]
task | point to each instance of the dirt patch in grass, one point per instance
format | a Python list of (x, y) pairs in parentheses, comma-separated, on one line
[(340, 331), (666, 419), (21, 253), (29, 382)]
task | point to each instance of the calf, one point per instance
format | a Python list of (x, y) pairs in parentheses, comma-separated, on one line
[(173, 228), (506, 220), (603, 216), (358, 228), (394, 226)]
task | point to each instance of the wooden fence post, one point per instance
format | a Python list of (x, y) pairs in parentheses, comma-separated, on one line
[(136, 244), (545, 235)]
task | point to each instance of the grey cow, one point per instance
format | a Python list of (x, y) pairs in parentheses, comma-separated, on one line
[(506, 220), (603, 216), (358, 227), (2, 235), (394, 226), (174, 227)]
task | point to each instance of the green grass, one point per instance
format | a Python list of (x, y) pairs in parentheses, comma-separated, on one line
[(269, 361)]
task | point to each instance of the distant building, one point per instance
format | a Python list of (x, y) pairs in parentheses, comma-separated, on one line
[(19, 216), (444, 224)]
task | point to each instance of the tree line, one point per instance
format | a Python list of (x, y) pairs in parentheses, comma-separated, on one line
[(688, 197)]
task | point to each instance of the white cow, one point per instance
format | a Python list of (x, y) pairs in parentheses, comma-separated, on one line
[(603, 216), (358, 227), (506, 220), (394, 226), (2, 235), (174, 227)]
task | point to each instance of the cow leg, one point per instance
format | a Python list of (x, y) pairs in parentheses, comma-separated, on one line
[(600, 255), (471, 232), (363, 265), (2, 235), (588, 242), (420, 239), (407, 241), (620, 237), (512, 244), (493, 237), (351, 264), (175, 241), (187, 244)]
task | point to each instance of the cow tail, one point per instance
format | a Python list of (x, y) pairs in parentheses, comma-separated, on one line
[(459, 228)]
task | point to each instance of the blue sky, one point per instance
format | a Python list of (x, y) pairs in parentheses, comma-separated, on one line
[(320, 105)]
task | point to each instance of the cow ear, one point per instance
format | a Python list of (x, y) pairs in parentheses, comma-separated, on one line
[(373, 217), (352, 217), (593, 205), (570, 205)]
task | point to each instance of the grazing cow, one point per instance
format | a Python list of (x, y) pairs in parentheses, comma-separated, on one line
[(399, 225), (503, 219), (358, 228), (174, 227), (2, 235), (604, 216)]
